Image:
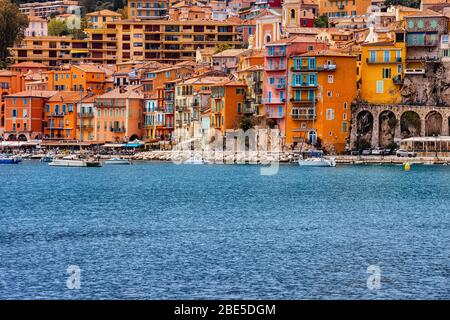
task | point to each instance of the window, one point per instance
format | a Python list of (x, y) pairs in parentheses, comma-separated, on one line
[(373, 55), (433, 24), (239, 107), (330, 114), (445, 53), (25, 113), (387, 55), (420, 24), (344, 116), (345, 105), (271, 80), (410, 24), (14, 113), (344, 126), (386, 73), (444, 39), (330, 78), (380, 86), (329, 94)]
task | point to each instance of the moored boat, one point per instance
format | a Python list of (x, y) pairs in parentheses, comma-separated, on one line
[(71, 162), (10, 159), (316, 159), (118, 161)]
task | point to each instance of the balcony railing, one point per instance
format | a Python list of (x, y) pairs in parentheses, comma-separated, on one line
[(274, 101), (303, 116), (117, 129), (396, 60), (85, 114), (397, 80), (325, 67), (303, 100)]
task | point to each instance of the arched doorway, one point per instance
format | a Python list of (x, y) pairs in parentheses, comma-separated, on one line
[(11, 137), (410, 124), (267, 38), (22, 137), (388, 123), (364, 129), (134, 137), (433, 124), (312, 137)]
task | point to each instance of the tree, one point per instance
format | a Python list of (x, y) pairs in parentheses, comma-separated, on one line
[(123, 12), (88, 5), (406, 3), (57, 28), (12, 27), (246, 123), (321, 22), (222, 47), (118, 4)]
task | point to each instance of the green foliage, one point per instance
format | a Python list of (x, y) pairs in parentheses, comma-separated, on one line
[(12, 27), (246, 123), (321, 22), (271, 123), (79, 33), (406, 3), (222, 47), (57, 28)]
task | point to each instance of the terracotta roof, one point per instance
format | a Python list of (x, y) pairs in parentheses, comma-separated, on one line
[(104, 12), (29, 64), (89, 68), (230, 53), (7, 73), (325, 53), (68, 96), (33, 93), (127, 92), (230, 83), (425, 14)]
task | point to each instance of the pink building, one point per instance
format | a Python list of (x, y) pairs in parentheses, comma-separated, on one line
[(277, 74)]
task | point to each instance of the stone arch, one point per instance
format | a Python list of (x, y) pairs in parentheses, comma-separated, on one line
[(364, 127), (387, 126), (11, 137), (410, 124), (433, 124), (22, 137), (134, 137), (267, 38), (36, 136), (293, 13)]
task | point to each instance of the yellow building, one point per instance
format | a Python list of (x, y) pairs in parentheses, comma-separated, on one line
[(148, 9), (343, 8), (382, 69), (99, 19)]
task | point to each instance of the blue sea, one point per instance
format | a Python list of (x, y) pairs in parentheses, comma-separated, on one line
[(166, 231)]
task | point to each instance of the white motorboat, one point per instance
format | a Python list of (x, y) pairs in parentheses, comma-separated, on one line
[(71, 162), (118, 161), (317, 162)]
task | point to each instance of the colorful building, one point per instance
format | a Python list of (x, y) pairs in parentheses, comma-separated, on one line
[(84, 77), (148, 9), (119, 115), (23, 115), (339, 8), (321, 90), (276, 76), (10, 82), (228, 100), (382, 67), (60, 115)]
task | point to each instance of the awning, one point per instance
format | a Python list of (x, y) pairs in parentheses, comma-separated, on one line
[(79, 51), (133, 145), (113, 145)]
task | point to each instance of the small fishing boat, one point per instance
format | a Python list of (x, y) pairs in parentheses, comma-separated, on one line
[(118, 161), (71, 162), (10, 159)]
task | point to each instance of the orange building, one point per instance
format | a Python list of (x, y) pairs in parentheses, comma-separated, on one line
[(227, 105), (119, 115), (60, 115), (322, 88), (78, 78), (23, 114), (10, 82)]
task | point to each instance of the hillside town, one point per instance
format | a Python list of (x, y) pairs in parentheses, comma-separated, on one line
[(337, 75)]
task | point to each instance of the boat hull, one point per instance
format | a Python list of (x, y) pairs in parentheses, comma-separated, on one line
[(317, 163), (10, 161), (117, 162), (74, 163)]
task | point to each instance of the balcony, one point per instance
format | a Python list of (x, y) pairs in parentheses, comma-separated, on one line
[(303, 116), (325, 67), (274, 68), (117, 129), (86, 126), (275, 115), (304, 85), (276, 53), (85, 114), (57, 115), (274, 101), (303, 100), (397, 80), (396, 60), (414, 71)]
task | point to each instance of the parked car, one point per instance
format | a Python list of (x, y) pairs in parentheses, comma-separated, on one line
[(405, 153), (355, 152), (387, 152), (377, 151), (366, 152)]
